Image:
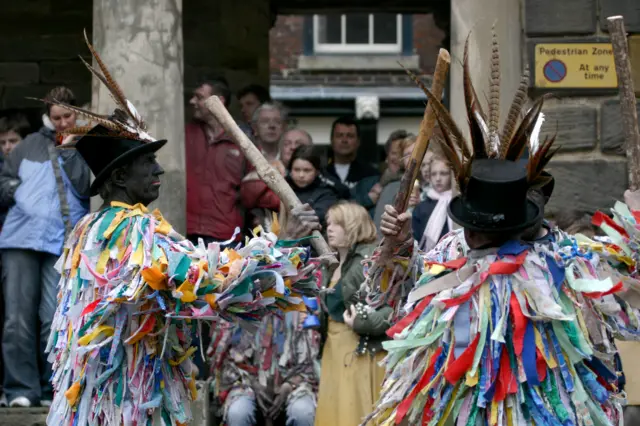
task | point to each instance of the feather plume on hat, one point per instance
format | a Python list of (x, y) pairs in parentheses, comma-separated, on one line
[(124, 123), (486, 141)]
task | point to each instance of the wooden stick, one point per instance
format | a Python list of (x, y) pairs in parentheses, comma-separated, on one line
[(424, 135), (627, 98), (267, 173), (420, 149)]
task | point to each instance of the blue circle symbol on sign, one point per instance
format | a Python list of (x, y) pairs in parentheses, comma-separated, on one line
[(555, 70)]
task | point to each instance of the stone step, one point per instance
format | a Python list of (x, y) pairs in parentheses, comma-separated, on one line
[(37, 416)]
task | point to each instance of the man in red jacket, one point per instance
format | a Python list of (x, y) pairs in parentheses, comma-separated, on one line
[(215, 168)]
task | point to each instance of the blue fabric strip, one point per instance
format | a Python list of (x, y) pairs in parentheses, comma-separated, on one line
[(513, 248), (529, 356), (557, 271), (461, 328)]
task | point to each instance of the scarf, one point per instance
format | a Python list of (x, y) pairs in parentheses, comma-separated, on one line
[(436, 222)]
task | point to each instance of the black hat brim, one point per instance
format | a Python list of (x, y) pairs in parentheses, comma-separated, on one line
[(122, 160), (457, 212)]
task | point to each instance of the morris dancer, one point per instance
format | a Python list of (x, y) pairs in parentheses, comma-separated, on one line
[(274, 372), (503, 337), (131, 286)]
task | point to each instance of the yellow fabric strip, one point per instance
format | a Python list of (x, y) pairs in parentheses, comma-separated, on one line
[(103, 329), (186, 355), (186, 288)]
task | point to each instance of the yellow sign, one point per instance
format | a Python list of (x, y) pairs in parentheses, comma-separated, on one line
[(575, 66)]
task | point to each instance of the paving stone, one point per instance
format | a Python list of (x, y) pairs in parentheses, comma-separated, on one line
[(23, 416)]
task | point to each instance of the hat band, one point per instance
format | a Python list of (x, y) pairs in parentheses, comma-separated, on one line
[(494, 219)]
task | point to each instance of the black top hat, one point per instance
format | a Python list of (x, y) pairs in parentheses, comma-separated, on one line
[(495, 199), (104, 153)]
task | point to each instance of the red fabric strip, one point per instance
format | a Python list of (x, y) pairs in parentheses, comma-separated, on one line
[(452, 264), (409, 319), (597, 294), (507, 383), (501, 267), (462, 299), (541, 365), (404, 406), (600, 217), (463, 363), (427, 415), (90, 307), (520, 325), (455, 264), (503, 377)]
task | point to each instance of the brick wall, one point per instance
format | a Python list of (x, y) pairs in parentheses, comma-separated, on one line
[(39, 45), (286, 46), (285, 43), (590, 169), (427, 40)]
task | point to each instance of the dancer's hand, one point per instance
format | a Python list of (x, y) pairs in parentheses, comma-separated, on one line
[(282, 394), (303, 220), (632, 199), (395, 227), (263, 396)]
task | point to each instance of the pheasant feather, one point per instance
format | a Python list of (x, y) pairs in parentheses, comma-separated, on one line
[(519, 141), (108, 80), (515, 110), (415, 78), (494, 90), (136, 123), (93, 116)]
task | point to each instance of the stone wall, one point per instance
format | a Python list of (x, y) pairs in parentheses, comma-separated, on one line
[(228, 39), (590, 169), (40, 41)]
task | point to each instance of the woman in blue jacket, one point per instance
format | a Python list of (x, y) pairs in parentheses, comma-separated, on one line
[(46, 190)]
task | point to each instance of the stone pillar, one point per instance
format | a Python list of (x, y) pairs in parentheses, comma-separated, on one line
[(477, 18), (140, 41), (227, 38)]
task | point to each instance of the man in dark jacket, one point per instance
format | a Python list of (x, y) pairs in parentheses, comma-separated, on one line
[(345, 169), (47, 191), (215, 168)]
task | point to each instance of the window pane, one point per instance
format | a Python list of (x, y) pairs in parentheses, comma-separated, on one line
[(385, 28), (329, 29), (358, 28)]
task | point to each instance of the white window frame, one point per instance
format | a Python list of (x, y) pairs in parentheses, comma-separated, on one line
[(343, 47)]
